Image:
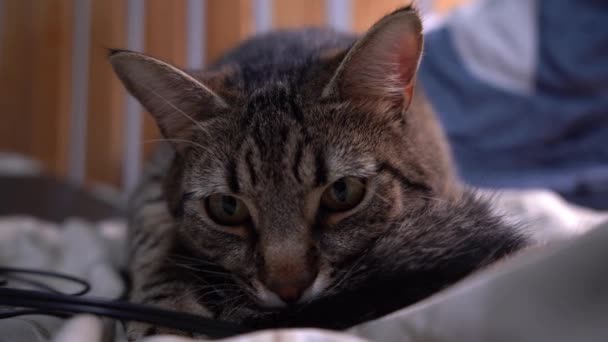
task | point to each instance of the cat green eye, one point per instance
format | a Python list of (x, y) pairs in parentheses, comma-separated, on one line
[(343, 194), (227, 210)]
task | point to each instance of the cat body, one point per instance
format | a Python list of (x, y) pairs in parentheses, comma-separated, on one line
[(305, 182)]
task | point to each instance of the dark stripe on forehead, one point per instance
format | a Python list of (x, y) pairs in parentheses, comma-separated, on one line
[(284, 134), (301, 73), (257, 102), (261, 145), (405, 181), (283, 143), (295, 169), (250, 168), (320, 168), (251, 77), (231, 176), (285, 101), (154, 243), (250, 111), (178, 211), (294, 109)]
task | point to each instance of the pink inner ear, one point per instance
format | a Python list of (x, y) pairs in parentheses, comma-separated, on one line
[(408, 59), (409, 49), (408, 53), (382, 69)]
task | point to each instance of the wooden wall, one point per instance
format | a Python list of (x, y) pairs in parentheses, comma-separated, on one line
[(35, 59), (36, 40)]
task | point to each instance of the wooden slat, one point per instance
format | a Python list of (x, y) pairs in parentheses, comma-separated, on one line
[(106, 96), (35, 66), (228, 22), (35, 80), (299, 13), (64, 87), (444, 6), (165, 29), (367, 12)]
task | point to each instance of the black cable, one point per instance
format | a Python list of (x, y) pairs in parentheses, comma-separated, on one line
[(31, 282), (63, 304), (55, 303), (26, 312), (85, 285)]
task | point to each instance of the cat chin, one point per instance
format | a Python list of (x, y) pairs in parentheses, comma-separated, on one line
[(315, 289), (268, 300)]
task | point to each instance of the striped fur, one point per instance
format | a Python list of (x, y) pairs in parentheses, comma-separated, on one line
[(275, 122)]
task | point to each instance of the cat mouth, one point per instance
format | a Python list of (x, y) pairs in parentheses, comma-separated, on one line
[(267, 300)]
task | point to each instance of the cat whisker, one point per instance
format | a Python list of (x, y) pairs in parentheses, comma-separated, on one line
[(186, 266), (195, 272), (149, 141), (382, 198), (222, 290), (188, 293), (226, 302), (236, 308), (192, 260), (204, 271), (434, 199), (217, 291), (345, 275), (232, 299), (214, 273), (187, 258)]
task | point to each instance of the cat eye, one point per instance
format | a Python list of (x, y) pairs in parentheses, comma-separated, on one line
[(227, 210), (343, 194)]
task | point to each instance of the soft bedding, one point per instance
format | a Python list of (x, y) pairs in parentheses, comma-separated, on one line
[(554, 293), (520, 88)]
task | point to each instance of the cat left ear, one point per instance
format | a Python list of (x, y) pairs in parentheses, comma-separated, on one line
[(381, 66), (176, 100)]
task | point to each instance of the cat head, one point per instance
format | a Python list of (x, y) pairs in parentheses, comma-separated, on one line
[(285, 174)]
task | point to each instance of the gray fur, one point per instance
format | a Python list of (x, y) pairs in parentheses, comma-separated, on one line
[(258, 125)]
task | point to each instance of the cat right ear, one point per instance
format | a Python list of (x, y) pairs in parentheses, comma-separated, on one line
[(380, 68), (175, 99)]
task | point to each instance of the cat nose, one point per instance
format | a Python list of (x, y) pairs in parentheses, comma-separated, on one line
[(290, 291)]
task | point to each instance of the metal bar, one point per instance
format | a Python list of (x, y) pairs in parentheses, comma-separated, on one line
[(196, 34), (263, 15), (80, 89), (339, 14), (131, 166)]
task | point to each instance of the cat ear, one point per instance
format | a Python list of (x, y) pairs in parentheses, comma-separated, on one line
[(381, 66), (175, 99)]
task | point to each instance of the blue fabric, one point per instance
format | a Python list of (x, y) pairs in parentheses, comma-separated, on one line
[(555, 137)]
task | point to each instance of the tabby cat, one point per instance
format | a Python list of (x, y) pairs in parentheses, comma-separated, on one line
[(305, 182)]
